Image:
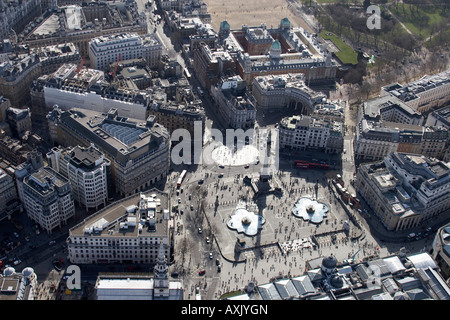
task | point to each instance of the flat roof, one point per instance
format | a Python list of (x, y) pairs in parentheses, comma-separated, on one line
[(107, 222)]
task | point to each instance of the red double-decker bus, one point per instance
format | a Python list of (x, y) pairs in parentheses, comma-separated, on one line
[(310, 165)]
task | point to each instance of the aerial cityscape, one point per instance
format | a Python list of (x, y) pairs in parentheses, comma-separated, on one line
[(236, 151)]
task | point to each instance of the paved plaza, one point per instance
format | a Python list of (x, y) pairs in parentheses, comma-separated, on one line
[(284, 242)]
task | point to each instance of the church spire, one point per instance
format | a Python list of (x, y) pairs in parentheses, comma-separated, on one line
[(161, 269)]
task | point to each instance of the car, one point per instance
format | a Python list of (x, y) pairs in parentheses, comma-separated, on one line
[(16, 262), (221, 166), (246, 166), (190, 196), (174, 274), (207, 239), (217, 262), (192, 207), (51, 242), (201, 181), (16, 234), (220, 175), (201, 272), (179, 200), (200, 230), (210, 255)]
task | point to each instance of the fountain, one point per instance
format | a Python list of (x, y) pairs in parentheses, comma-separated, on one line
[(310, 210), (247, 222)]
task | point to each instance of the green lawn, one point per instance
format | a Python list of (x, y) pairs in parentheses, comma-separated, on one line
[(414, 18), (346, 53)]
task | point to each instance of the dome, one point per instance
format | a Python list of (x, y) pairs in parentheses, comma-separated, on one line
[(9, 271), (329, 262), (224, 25), (285, 23), (336, 281), (276, 45), (27, 272)]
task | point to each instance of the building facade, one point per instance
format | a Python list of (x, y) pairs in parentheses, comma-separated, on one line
[(48, 198), (18, 285), (387, 124), (130, 230), (105, 50), (278, 92), (423, 94), (138, 150), (305, 132), (143, 287), (80, 23), (88, 172), (235, 104), (405, 190), (19, 121), (8, 195)]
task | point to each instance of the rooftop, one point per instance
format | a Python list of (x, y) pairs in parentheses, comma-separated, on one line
[(144, 214)]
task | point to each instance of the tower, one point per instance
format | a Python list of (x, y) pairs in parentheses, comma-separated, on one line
[(161, 277)]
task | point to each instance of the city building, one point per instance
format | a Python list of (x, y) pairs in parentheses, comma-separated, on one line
[(20, 69), (80, 23), (308, 132), (18, 285), (391, 109), (175, 116), (4, 105), (423, 94), (53, 56), (235, 105), (16, 77), (13, 150), (19, 121), (439, 118), (8, 195), (211, 64), (138, 150), (105, 50), (88, 172), (441, 250), (48, 199), (133, 73), (15, 15), (85, 88), (387, 125), (399, 277), (32, 163), (130, 230), (282, 91), (405, 190), (264, 51), (140, 287)]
